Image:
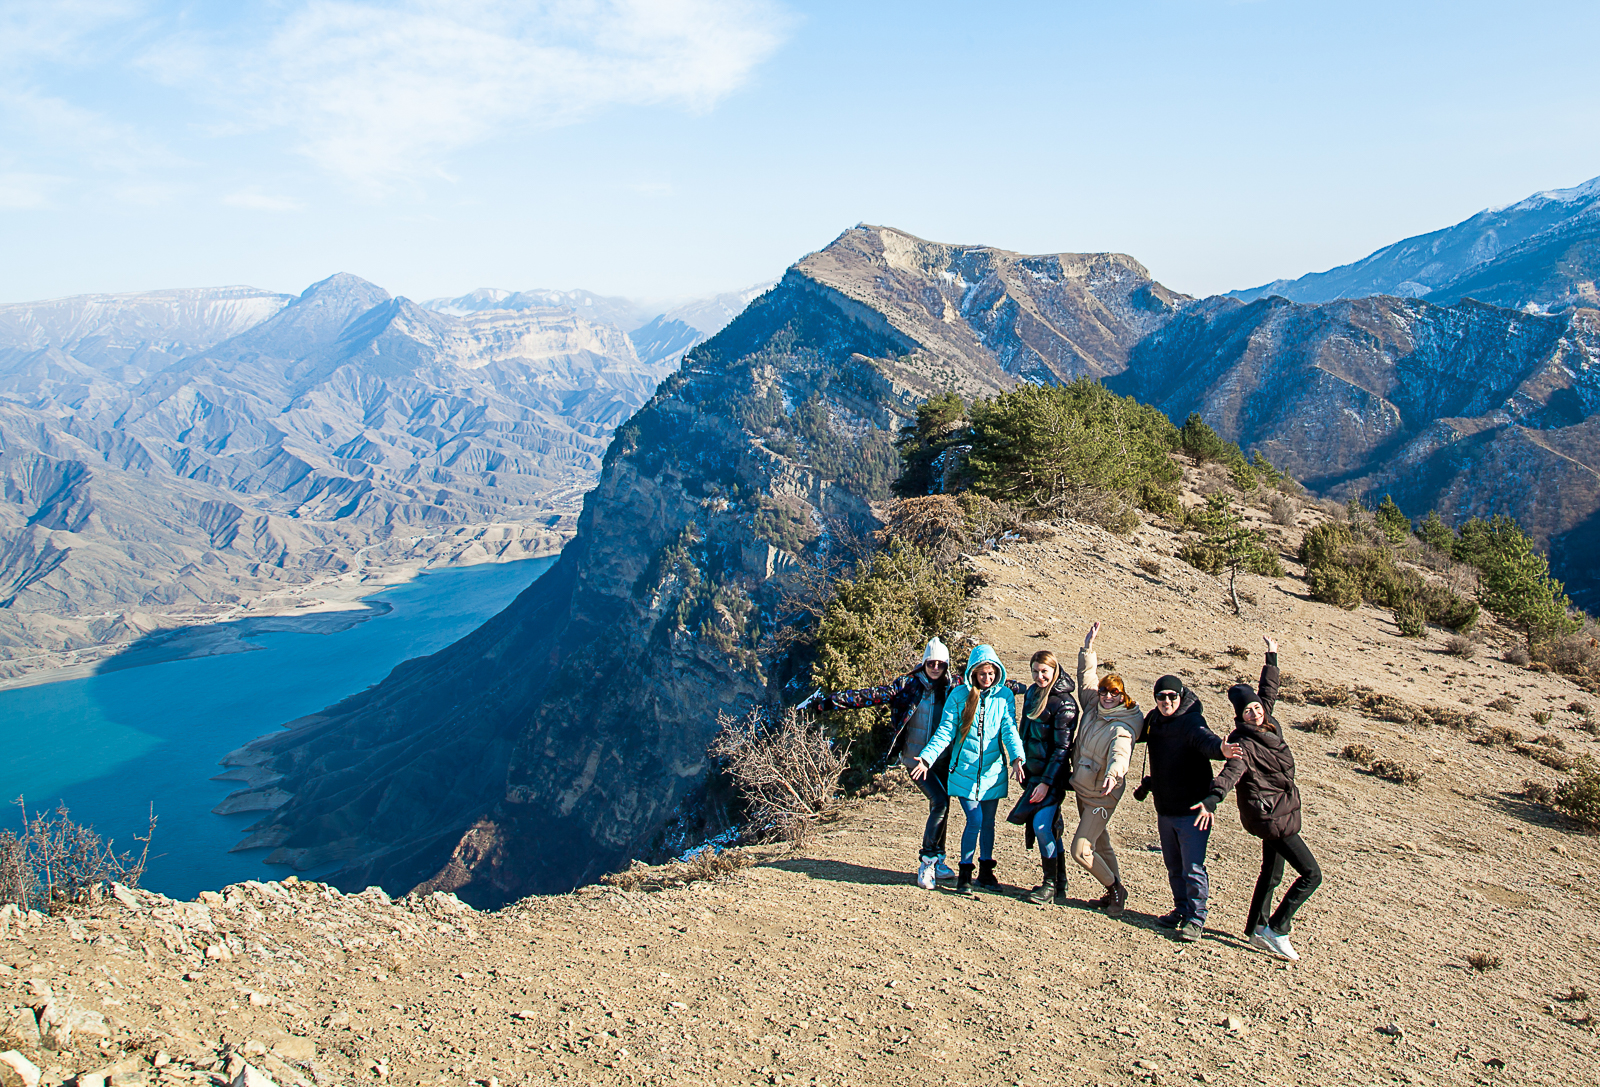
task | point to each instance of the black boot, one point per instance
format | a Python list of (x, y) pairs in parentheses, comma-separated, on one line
[(1042, 894), (1061, 879), (964, 879), (986, 880), (1118, 895)]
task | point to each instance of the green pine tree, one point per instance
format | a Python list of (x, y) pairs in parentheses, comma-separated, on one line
[(1225, 544), (1394, 524)]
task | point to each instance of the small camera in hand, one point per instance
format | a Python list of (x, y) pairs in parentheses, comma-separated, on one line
[(1143, 790)]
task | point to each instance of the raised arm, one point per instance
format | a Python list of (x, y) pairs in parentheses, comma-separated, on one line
[(1088, 663), (862, 697), (1271, 681)]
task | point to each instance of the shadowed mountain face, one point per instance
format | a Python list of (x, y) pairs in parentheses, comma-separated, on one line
[(185, 452), (1539, 251), (568, 735)]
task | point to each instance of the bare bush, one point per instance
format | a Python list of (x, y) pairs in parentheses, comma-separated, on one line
[(1504, 705), (1480, 961), (1578, 798), (783, 767), (1282, 510), (1540, 717), (1360, 754), (1323, 724), (1326, 694), (934, 523), (1238, 651), (1579, 708), (1149, 565), (1460, 645), (56, 864), (1498, 735), (1537, 792), (1517, 655), (1396, 771)]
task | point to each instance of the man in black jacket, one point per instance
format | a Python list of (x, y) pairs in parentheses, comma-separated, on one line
[(1181, 748)]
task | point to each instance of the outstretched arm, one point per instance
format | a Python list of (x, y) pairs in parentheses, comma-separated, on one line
[(862, 697)]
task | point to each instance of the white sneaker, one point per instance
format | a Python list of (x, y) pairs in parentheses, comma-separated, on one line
[(942, 870), (1278, 944), (1257, 940), (925, 874)]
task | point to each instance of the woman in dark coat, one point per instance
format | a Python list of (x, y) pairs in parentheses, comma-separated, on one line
[(1048, 722), (915, 701), (1269, 808)]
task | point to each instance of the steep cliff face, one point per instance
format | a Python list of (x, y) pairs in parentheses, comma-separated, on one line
[(568, 735)]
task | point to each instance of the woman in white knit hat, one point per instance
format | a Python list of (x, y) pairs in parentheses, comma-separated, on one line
[(915, 701)]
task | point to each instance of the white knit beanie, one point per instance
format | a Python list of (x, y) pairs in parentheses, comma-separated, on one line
[(936, 651)]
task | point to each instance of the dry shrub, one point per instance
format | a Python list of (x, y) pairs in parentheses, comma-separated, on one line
[(1517, 655), (1579, 708), (1549, 756), (1360, 754), (1537, 792), (887, 784), (1498, 735), (1452, 718), (56, 864), (1460, 645), (1578, 798), (1576, 654), (1396, 771), (1591, 725), (935, 523), (1238, 651), (1387, 707), (1481, 961), (1573, 995), (1548, 739), (1504, 705), (1282, 510), (708, 865), (783, 767), (1323, 724), (1326, 694), (1540, 717), (1149, 565)]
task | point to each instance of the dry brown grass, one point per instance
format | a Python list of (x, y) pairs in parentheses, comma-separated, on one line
[(708, 865), (1360, 754), (1396, 771), (1482, 961), (1503, 704), (1149, 565), (1323, 724), (1459, 645)]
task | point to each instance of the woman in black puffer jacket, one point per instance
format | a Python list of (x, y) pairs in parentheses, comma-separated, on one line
[(1269, 808), (1048, 723)]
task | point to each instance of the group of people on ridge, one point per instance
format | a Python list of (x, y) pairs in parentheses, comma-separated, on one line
[(961, 739)]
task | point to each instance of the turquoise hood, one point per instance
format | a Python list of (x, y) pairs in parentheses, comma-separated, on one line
[(984, 654)]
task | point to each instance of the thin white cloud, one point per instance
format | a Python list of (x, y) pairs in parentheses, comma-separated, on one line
[(253, 200), (23, 191), (377, 92)]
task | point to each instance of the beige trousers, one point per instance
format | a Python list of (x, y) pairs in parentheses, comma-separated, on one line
[(1091, 842)]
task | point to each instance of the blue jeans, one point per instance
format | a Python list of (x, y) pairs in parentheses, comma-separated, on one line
[(1044, 830), (978, 837), (933, 831), (1183, 847)]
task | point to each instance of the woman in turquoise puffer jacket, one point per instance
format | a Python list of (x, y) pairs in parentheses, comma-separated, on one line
[(979, 719)]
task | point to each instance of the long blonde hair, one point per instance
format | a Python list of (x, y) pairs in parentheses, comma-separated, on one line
[(974, 695), (1039, 697)]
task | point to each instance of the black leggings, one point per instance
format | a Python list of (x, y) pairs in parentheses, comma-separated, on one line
[(1274, 852)]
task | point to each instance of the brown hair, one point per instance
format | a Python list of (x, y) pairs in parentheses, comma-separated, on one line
[(1037, 699), (1113, 682)]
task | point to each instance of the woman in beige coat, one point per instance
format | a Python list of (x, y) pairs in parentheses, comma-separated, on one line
[(1110, 724)]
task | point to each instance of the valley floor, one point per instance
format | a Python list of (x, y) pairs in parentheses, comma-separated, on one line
[(827, 966)]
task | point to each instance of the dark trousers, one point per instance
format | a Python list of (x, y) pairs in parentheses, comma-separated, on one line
[(1274, 852), (933, 834), (1183, 847)]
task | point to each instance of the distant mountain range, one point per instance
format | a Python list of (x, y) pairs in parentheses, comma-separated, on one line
[(1542, 253), (172, 456)]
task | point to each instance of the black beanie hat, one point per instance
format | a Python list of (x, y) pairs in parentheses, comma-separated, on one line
[(1169, 683), (1241, 695)]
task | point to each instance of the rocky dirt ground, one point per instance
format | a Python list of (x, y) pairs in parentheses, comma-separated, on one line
[(827, 966)]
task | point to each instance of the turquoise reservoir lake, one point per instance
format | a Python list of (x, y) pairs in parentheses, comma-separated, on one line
[(110, 745)]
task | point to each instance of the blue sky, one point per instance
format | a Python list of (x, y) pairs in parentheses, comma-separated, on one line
[(678, 147)]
